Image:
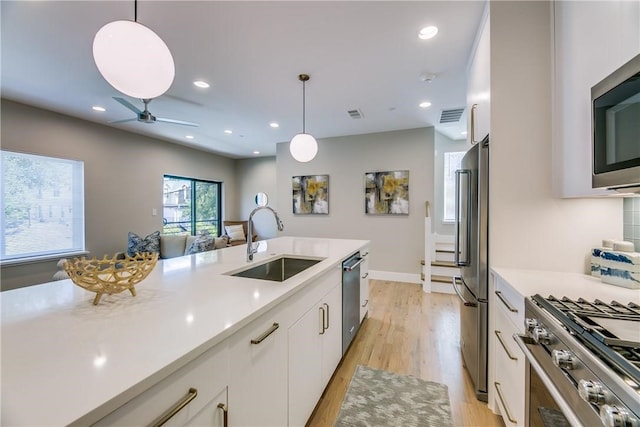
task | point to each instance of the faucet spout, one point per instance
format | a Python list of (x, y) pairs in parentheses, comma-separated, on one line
[(251, 249)]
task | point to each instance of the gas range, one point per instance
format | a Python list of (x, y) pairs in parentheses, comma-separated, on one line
[(587, 354)]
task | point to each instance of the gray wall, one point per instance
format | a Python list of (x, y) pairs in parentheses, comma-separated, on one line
[(258, 176), (123, 177), (397, 242), (528, 227)]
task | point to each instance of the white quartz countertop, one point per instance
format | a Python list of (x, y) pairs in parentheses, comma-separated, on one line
[(571, 285), (65, 361)]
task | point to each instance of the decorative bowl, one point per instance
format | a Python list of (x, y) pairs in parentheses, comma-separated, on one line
[(110, 275)]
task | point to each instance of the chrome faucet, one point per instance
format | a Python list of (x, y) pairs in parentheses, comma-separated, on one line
[(251, 249)]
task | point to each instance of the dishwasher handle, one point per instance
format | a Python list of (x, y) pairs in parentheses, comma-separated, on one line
[(353, 266)]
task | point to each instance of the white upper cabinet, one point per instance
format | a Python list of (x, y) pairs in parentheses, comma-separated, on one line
[(479, 85), (591, 40)]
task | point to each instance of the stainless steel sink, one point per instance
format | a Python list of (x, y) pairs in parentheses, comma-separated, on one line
[(277, 270)]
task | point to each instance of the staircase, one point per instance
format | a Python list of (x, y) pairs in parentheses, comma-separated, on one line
[(442, 266)]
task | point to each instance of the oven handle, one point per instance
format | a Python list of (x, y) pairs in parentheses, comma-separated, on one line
[(557, 396)]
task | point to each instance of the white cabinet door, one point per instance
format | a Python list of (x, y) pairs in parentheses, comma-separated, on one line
[(315, 349), (364, 284), (305, 361), (332, 337), (258, 372), (479, 86)]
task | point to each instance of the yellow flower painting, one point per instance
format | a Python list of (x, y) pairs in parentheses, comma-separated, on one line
[(310, 194), (386, 193)]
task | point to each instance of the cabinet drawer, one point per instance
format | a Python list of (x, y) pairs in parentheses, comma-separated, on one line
[(510, 372), (207, 375), (509, 301)]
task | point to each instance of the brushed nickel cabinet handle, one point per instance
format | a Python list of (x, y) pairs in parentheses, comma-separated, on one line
[(225, 414), (322, 320), (506, 349), (268, 332), (192, 394), (473, 124), (365, 275), (365, 303), (506, 303), (364, 254), (506, 408), (326, 325)]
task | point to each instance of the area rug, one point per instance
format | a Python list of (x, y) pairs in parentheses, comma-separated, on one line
[(378, 398)]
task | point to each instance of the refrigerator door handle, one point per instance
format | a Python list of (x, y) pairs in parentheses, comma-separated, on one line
[(462, 248), (455, 288)]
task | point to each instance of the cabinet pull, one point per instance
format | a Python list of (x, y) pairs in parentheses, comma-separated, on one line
[(192, 394), (365, 303), (268, 332), (225, 414), (473, 124), (326, 326), (506, 349), (365, 275), (504, 405), (364, 254), (322, 321), (506, 303)]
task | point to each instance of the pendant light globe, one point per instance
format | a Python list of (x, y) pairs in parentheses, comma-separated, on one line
[(133, 59), (303, 147)]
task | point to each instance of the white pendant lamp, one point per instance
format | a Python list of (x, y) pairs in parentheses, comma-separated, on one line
[(303, 147), (133, 59)]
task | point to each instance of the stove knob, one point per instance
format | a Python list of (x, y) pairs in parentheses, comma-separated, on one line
[(541, 335), (563, 359), (612, 416), (591, 391), (530, 324)]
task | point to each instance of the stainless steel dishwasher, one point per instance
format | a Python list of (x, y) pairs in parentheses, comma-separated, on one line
[(350, 299)]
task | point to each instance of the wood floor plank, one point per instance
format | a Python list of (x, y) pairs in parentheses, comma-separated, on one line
[(409, 332)]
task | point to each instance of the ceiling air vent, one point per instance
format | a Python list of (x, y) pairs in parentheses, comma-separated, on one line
[(355, 114), (451, 116)]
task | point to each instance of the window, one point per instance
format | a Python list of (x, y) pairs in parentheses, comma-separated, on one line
[(191, 206), (452, 161), (42, 206)]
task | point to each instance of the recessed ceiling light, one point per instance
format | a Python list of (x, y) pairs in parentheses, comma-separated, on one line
[(98, 108), (274, 125), (228, 131), (189, 136), (201, 83), (428, 32), (425, 104), (256, 152)]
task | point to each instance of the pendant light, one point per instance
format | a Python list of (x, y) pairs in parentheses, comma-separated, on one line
[(303, 147), (133, 59)]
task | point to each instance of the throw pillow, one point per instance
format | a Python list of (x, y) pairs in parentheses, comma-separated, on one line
[(221, 242), (136, 244), (202, 243), (235, 232)]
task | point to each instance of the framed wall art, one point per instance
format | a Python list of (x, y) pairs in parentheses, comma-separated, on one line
[(310, 194), (386, 193)]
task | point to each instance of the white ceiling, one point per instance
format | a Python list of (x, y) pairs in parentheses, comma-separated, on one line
[(360, 55)]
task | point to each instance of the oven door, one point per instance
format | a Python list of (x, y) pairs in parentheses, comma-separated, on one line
[(552, 397)]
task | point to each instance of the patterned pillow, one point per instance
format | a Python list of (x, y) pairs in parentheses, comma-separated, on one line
[(202, 243), (136, 244), (235, 232)]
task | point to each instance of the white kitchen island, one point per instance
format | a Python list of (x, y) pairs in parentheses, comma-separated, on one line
[(68, 362)]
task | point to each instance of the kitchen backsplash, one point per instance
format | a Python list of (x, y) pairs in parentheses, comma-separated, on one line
[(631, 221)]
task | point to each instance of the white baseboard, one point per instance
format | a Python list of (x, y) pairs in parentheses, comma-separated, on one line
[(393, 276), (442, 288)]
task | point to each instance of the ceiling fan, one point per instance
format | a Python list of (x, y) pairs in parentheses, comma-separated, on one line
[(145, 116)]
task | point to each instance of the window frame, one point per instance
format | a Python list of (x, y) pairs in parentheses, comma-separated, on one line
[(192, 196)]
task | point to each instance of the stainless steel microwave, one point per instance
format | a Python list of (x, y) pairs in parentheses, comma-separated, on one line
[(615, 129)]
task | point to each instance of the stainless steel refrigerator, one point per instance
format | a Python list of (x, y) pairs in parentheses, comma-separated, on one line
[(471, 255)]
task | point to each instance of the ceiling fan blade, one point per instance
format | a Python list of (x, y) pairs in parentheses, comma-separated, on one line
[(124, 121), (129, 105), (176, 122)]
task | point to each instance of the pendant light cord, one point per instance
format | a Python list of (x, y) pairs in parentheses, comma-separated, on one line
[(135, 10), (303, 106)]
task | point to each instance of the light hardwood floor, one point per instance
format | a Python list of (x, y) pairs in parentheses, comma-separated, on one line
[(413, 333)]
